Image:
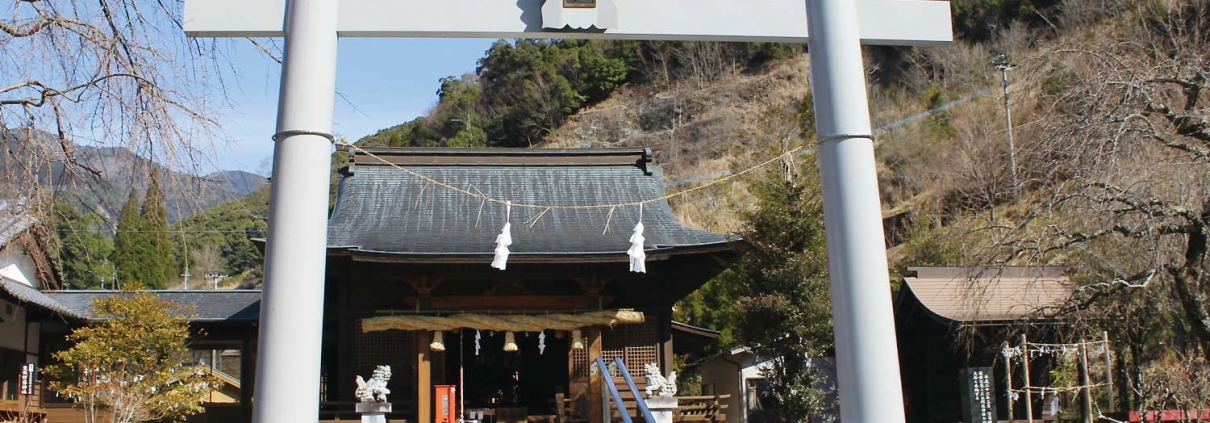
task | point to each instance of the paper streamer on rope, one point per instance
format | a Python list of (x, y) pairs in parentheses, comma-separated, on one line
[(504, 239), (541, 342), (638, 257), (504, 323), (477, 337)]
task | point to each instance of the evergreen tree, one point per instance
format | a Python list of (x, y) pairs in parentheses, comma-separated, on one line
[(84, 250), (159, 264), (785, 314), (775, 299), (127, 243), (143, 248)]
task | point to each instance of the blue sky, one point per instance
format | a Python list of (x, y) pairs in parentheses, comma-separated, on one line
[(387, 82)]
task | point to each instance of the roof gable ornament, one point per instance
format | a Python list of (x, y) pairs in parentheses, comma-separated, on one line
[(579, 15)]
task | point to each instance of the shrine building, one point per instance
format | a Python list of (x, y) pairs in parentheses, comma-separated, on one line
[(409, 281)]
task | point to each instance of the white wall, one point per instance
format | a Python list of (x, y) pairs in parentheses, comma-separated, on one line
[(724, 377), (729, 378), (16, 265)]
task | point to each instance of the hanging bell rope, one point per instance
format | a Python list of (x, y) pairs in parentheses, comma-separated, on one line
[(510, 342), (577, 340), (509, 323), (438, 341)]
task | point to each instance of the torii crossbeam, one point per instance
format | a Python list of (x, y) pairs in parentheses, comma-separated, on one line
[(287, 388)]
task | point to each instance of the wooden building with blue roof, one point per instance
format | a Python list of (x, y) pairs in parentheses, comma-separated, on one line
[(410, 240)]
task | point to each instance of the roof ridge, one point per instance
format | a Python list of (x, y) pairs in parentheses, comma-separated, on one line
[(483, 157), (448, 151)]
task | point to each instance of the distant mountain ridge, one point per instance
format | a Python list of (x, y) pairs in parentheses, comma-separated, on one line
[(99, 177)]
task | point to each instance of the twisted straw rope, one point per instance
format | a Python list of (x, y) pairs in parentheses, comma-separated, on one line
[(509, 323)]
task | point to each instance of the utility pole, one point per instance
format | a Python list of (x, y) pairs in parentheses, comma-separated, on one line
[(1003, 64), (215, 278)]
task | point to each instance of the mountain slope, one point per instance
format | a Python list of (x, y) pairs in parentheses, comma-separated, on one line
[(99, 178)]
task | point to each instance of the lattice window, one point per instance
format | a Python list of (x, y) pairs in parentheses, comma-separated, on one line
[(393, 348), (609, 355), (579, 363), (637, 345)]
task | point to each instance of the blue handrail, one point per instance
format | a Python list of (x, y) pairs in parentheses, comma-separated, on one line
[(613, 390), (638, 398)]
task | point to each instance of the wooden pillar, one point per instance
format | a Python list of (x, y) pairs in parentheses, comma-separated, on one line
[(666, 356), (1029, 404), (346, 327), (577, 385), (1108, 370), (1008, 381), (247, 372), (424, 380), (596, 377), (1086, 380)]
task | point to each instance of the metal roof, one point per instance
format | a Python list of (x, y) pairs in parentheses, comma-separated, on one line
[(969, 295), (207, 306), (383, 209), (29, 295)]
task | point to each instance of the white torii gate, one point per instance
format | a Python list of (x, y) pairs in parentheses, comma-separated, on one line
[(287, 388)]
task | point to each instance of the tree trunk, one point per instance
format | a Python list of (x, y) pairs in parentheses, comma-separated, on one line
[(1190, 286)]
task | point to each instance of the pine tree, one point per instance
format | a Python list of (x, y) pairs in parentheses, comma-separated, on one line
[(159, 265), (127, 243)]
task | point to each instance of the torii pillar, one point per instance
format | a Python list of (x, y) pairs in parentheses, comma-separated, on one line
[(292, 304)]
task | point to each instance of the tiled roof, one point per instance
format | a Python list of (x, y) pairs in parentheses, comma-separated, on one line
[(384, 209), (207, 306), (13, 219), (971, 295), (29, 295)]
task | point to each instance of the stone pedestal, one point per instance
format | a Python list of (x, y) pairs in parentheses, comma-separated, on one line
[(662, 408), (374, 412)]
